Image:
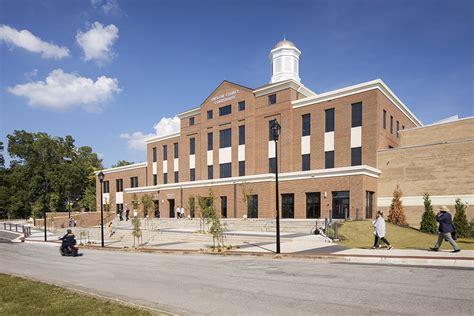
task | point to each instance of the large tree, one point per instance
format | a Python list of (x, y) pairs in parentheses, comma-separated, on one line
[(122, 163)]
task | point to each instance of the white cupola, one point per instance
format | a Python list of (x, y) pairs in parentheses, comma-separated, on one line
[(285, 58)]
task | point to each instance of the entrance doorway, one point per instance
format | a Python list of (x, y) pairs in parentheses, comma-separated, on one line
[(369, 204), (288, 205), (171, 204), (340, 204), (224, 206), (313, 204)]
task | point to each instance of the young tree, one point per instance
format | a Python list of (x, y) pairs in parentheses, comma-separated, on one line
[(191, 206), (135, 202), (136, 232), (396, 214), (209, 214), (461, 224), (147, 202), (428, 220)]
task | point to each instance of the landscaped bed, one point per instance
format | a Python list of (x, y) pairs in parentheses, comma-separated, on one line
[(360, 234)]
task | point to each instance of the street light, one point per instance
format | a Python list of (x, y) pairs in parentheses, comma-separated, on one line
[(276, 129), (101, 179)]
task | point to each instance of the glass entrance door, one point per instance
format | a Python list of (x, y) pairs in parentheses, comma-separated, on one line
[(171, 204), (340, 204), (224, 206), (369, 204), (288, 206), (313, 205)]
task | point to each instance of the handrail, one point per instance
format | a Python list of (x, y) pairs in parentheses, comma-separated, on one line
[(26, 230)]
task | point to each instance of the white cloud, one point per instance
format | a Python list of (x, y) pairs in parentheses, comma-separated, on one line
[(165, 126), (97, 42), (109, 7), (31, 74), (63, 91), (26, 40)]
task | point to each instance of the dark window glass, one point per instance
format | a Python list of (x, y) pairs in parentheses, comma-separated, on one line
[(306, 162), (398, 127), (241, 106), (329, 159), (356, 156), (272, 99), (165, 152), (225, 110), (176, 150), (241, 168), (306, 124), (384, 119), (288, 205), (225, 170), (223, 206), (134, 182), (329, 120), (192, 174), (313, 205), (192, 146), (154, 154), (176, 176), (391, 124), (272, 165), (165, 178), (210, 172), (210, 140), (155, 179), (225, 138), (403, 127), (270, 133), (119, 207), (191, 121), (209, 114), (119, 185), (252, 206), (340, 204), (357, 114), (106, 187), (241, 134)]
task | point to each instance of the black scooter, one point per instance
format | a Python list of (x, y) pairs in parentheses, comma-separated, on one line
[(71, 250)]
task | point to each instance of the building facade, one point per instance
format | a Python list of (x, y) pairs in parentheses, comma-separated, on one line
[(327, 150)]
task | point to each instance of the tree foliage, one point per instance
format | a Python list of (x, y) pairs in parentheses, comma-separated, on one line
[(148, 205), (210, 216), (396, 214), (122, 163), (461, 224), (428, 220)]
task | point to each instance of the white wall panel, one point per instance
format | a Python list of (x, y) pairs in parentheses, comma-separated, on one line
[(225, 155), (165, 166), (192, 161), (176, 164), (329, 141), (105, 198), (210, 157), (241, 152), (153, 166), (119, 197), (271, 149), (356, 137), (305, 145)]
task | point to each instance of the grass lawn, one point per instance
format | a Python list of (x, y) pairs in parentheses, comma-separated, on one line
[(21, 296), (360, 234)]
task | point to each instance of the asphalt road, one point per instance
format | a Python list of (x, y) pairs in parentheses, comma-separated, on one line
[(216, 285)]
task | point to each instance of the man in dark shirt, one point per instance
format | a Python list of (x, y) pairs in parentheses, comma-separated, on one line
[(446, 227)]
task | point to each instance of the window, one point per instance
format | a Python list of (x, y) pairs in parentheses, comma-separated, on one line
[(225, 170), (241, 168), (384, 119), (329, 159), (209, 114), (340, 204), (241, 106), (356, 156), (391, 124), (288, 205), (272, 165), (313, 205), (272, 99), (165, 152), (119, 208), (225, 139), (398, 127), (134, 182), (242, 135), (252, 206), (403, 127), (106, 187), (154, 154), (306, 162), (165, 178), (306, 124), (270, 133), (155, 179), (176, 176), (225, 110), (119, 185), (210, 139), (192, 174), (210, 172), (357, 114), (223, 206), (192, 146), (329, 120), (176, 150), (191, 121)]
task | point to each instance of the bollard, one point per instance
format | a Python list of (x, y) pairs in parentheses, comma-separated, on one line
[(357, 214)]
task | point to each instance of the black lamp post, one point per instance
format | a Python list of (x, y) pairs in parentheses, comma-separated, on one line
[(101, 179), (276, 129), (45, 208)]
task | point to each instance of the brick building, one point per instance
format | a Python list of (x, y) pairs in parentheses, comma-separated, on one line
[(327, 150)]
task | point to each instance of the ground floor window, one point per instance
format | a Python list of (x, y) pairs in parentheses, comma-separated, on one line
[(313, 205), (369, 204), (288, 205), (340, 204), (192, 206), (119, 207), (224, 206), (156, 204), (252, 206)]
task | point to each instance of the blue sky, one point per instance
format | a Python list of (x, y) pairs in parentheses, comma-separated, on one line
[(157, 58)]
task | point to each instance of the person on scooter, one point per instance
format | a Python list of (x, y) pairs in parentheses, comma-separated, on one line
[(68, 240)]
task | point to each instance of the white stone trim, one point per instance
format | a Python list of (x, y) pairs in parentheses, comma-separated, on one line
[(162, 137), (176, 164), (278, 86), (123, 168), (448, 200), (189, 113), (154, 167), (329, 141), (241, 153), (305, 145), (225, 155), (192, 161), (356, 137), (165, 166), (210, 157), (119, 198)]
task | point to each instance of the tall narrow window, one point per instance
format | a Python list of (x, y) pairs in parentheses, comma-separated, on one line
[(391, 124), (210, 140), (356, 156), (210, 172), (176, 150), (329, 159), (155, 179), (384, 119), (223, 206), (225, 170), (165, 152), (225, 139), (313, 205), (252, 206), (119, 185), (192, 146), (106, 187), (165, 178), (272, 165), (272, 99), (209, 114), (357, 114), (329, 120), (241, 168), (398, 127), (270, 133), (241, 106), (241, 134), (154, 154), (306, 162), (191, 121), (134, 182), (176, 176), (306, 124), (225, 110), (192, 174)]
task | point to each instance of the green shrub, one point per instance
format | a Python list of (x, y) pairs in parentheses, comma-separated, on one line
[(460, 221), (428, 220)]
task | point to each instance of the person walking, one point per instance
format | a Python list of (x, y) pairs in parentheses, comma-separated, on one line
[(445, 230), (379, 231), (127, 213)]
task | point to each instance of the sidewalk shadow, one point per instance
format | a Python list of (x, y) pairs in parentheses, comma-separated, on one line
[(258, 246)]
